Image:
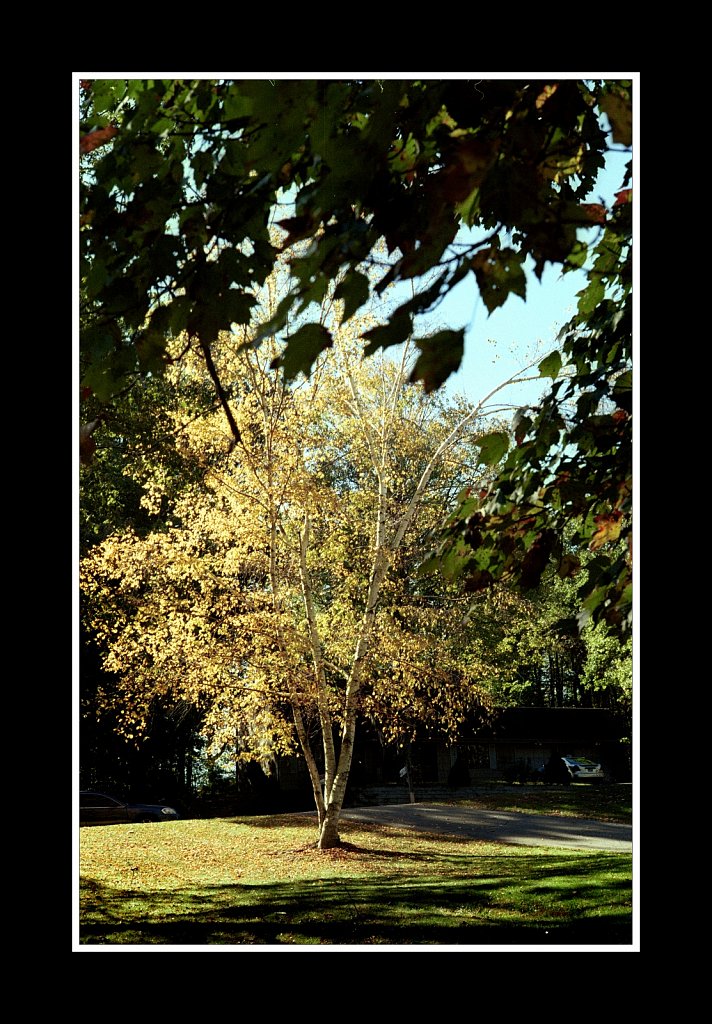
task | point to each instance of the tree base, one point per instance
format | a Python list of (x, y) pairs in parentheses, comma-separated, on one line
[(329, 838)]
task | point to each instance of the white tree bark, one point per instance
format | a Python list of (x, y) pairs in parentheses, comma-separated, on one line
[(385, 547)]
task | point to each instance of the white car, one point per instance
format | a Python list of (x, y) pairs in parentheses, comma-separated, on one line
[(582, 769)]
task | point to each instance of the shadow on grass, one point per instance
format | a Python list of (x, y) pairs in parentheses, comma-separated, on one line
[(349, 828), (291, 818), (524, 900)]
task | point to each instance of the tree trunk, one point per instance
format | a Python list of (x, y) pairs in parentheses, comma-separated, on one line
[(329, 831)]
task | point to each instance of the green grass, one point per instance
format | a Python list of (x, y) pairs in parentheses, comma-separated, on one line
[(579, 800), (259, 881)]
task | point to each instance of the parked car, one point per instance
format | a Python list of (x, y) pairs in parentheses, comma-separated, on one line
[(554, 773), (582, 769), (100, 809)]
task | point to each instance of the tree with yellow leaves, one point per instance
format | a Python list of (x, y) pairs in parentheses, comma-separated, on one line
[(280, 593)]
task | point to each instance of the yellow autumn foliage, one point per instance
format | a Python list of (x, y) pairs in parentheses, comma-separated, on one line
[(279, 594)]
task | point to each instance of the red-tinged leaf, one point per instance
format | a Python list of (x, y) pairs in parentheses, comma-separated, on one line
[(624, 196), (93, 140), (87, 444), (87, 448), (593, 212), (477, 580), (608, 528), (467, 168)]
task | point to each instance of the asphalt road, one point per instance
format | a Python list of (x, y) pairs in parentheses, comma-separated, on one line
[(500, 826)]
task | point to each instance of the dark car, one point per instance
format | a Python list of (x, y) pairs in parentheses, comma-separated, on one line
[(100, 809)]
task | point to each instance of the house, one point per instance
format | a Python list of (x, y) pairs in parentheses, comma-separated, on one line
[(529, 736), (512, 740)]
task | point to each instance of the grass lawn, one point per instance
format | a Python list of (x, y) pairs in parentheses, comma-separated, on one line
[(259, 881), (579, 800)]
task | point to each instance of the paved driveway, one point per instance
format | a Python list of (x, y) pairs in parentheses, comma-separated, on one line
[(500, 826)]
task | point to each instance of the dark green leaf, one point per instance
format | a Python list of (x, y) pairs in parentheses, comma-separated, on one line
[(237, 306), (107, 92), (469, 209), (467, 504), (454, 561), (179, 311), (493, 447), (428, 566), (577, 256), (550, 366), (440, 355), (225, 309), (303, 349), (438, 235), (422, 301), (151, 351), (312, 294), (276, 322), (499, 274), (354, 290), (395, 332), (623, 385), (590, 296), (96, 278), (235, 104), (521, 424)]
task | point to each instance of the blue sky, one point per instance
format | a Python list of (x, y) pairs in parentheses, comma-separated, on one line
[(500, 343)]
